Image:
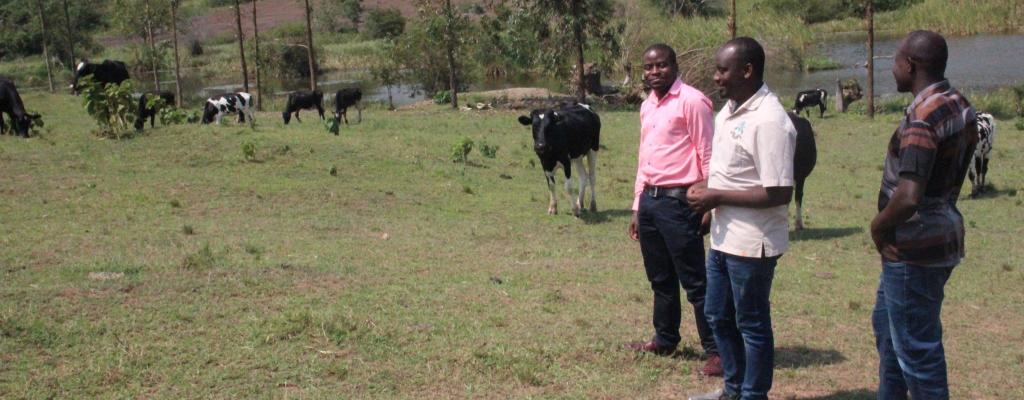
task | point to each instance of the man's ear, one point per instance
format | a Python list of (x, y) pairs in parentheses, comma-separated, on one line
[(748, 71), (525, 120)]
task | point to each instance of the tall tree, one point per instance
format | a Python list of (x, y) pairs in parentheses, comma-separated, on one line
[(46, 39), (449, 44), (177, 60), (259, 62), (582, 17), (154, 66), (309, 49), (241, 45), (68, 27), (870, 17)]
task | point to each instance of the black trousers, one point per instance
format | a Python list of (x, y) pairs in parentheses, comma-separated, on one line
[(673, 252)]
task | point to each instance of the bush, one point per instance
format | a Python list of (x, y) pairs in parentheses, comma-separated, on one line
[(461, 149), (1020, 124), (287, 60), (488, 150), (384, 24), (177, 116), (111, 106), (443, 97), (249, 151), (195, 48)]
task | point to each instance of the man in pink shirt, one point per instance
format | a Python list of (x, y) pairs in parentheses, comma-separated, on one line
[(675, 151)]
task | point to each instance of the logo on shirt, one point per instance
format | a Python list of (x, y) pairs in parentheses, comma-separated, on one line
[(738, 130)]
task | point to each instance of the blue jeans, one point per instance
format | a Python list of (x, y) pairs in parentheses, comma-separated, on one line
[(908, 332), (739, 311)]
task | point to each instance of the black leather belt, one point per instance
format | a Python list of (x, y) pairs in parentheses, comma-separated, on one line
[(678, 192)]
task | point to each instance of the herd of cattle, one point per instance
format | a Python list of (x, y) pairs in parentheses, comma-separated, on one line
[(562, 135)]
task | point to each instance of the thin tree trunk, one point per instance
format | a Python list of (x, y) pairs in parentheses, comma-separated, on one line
[(577, 27), (46, 39), (177, 61), (71, 34), (309, 49), (241, 45), (732, 19), (871, 58), (259, 62), (450, 46), (152, 47)]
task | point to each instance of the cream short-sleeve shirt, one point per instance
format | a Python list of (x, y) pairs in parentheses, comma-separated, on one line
[(753, 147)]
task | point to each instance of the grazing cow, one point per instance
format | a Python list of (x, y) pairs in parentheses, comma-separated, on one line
[(811, 98), (145, 111), (110, 71), (344, 99), (563, 135), (10, 104), (303, 100), (978, 167), (232, 103), (804, 159)]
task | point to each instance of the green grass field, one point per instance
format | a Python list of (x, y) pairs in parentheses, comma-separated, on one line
[(167, 266)]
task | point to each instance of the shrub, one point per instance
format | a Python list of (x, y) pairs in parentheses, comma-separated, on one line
[(443, 97), (488, 150), (333, 125), (111, 106), (387, 23), (195, 48), (177, 116), (1020, 124), (461, 149), (249, 151)]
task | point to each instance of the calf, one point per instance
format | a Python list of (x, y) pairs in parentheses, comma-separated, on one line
[(10, 104), (344, 99), (563, 135), (811, 98), (232, 103), (145, 111), (804, 159), (110, 71), (303, 100), (978, 167)]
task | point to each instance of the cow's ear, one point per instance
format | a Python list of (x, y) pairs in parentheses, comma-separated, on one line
[(525, 120), (555, 117)]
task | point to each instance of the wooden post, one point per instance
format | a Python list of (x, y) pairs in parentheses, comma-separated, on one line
[(241, 45), (177, 61), (871, 58), (71, 34), (46, 38), (256, 39), (732, 19), (152, 47), (449, 38), (309, 49)]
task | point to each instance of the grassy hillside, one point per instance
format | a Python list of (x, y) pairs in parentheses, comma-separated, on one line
[(166, 266)]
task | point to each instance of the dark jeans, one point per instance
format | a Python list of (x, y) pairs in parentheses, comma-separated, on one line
[(908, 332), (673, 251), (740, 314)]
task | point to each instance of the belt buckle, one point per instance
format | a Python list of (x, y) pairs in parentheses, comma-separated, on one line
[(655, 195)]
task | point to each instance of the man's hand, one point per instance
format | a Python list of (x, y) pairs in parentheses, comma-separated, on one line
[(699, 198), (884, 242), (632, 228), (705, 223)]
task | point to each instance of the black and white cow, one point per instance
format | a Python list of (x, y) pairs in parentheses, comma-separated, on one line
[(232, 103), (811, 98), (303, 100), (344, 99), (145, 111), (110, 71), (978, 167), (561, 137), (10, 104), (804, 159)]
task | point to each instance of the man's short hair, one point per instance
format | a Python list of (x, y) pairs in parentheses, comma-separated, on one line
[(929, 51), (665, 48), (750, 52)]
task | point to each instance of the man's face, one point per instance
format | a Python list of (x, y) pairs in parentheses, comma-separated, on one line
[(901, 70), (660, 71), (729, 74)]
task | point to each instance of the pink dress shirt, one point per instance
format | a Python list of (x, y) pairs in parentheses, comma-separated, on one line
[(675, 139)]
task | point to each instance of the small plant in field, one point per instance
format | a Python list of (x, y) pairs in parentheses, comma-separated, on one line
[(489, 151), (443, 97), (467, 189), (175, 203), (188, 230), (333, 125), (177, 116), (461, 149), (334, 171), (249, 151), (110, 106), (1020, 124), (202, 259)]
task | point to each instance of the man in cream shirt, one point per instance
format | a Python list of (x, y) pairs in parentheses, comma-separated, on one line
[(748, 190)]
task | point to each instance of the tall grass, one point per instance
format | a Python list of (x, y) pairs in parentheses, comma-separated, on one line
[(949, 17)]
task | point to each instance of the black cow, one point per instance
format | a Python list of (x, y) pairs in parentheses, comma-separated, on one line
[(344, 99), (978, 167), (232, 103), (10, 104), (811, 98), (145, 111), (804, 159), (303, 100), (563, 135), (110, 71)]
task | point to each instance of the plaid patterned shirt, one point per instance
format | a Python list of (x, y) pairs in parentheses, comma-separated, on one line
[(934, 143)]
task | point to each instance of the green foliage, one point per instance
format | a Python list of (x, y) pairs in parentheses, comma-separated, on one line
[(820, 63), (249, 151), (686, 8), (384, 24), (177, 116), (110, 106), (333, 125), (353, 11), (443, 97), (461, 149), (21, 32), (488, 150), (285, 60), (812, 12), (1020, 124)]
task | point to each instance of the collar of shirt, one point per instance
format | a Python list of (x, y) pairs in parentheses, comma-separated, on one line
[(673, 91), (750, 105), (937, 87)]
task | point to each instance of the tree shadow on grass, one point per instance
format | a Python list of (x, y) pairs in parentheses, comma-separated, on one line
[(599, 217), (858, 394), (824, 233), (801, 357)]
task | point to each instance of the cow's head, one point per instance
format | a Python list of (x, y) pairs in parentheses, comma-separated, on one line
[(542, 121), (209, 111), (79, 72), (22, 124), (287, 116)]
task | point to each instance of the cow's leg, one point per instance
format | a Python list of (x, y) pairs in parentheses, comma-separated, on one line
[(297, 115), (821, 108), (218, 118), (3, 129), (252, 120), (972, 173), (799, 195), (344, 114), (552, 199), (567, 166), (581, 176), (592, 178), (984, 173), (359, 113), (320, 110)]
